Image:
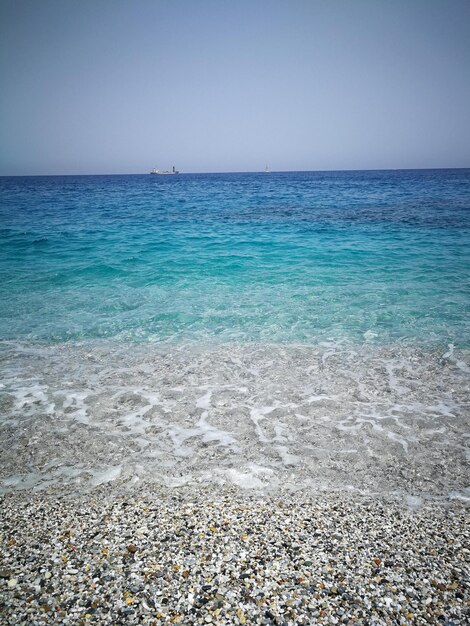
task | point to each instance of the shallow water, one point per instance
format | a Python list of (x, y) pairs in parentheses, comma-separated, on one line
[(378, 420), (280, 331)]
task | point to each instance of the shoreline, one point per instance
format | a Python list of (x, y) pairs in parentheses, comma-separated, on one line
[(222, 556), (374, 420)]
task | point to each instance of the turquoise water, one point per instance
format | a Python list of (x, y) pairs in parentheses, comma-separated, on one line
[(270, 331), (287, 257)]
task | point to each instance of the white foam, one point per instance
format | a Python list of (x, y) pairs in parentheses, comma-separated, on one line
[(463, 495), (243, 479), (204, 401), (33, 397), (459, 363), (442, 408), (75, 405), (254, 476), (450, 352), (206, 432), (413, 502), (289, 460), (106, 476), (395, 386), (318, 398), (257, 414), (178, 481)]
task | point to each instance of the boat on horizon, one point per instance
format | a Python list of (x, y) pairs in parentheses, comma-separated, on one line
[(165, 172)]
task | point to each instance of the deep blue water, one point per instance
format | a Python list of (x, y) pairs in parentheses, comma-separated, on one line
[(299, 257)]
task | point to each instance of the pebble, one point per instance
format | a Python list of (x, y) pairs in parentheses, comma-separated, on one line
[(230, 558)]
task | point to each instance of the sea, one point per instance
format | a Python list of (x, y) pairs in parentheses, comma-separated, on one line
[(262, 331)]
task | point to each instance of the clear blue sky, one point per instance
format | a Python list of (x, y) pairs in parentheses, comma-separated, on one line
[(121, 86)]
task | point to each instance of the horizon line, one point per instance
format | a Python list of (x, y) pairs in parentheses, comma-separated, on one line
[(372, 169)]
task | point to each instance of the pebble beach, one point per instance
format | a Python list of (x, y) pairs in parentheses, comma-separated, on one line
[(224, 556)]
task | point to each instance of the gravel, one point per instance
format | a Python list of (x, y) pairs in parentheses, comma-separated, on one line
[(224, 557)]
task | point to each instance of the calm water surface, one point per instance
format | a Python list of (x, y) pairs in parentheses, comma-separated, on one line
[(289, 257)]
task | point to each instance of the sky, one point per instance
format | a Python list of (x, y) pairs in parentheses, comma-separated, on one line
[(122, 86)]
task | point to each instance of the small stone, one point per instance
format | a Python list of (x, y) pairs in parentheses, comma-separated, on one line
[(127, 611), (12, 583), (132, 548)]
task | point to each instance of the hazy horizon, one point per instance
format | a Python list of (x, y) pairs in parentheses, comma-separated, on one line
[(211, 87), (384, 169)]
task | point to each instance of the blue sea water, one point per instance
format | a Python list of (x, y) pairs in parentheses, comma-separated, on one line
[(279, 257), (296, 330)]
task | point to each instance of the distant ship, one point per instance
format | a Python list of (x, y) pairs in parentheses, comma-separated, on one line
[(266, 170), (166, 172)]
